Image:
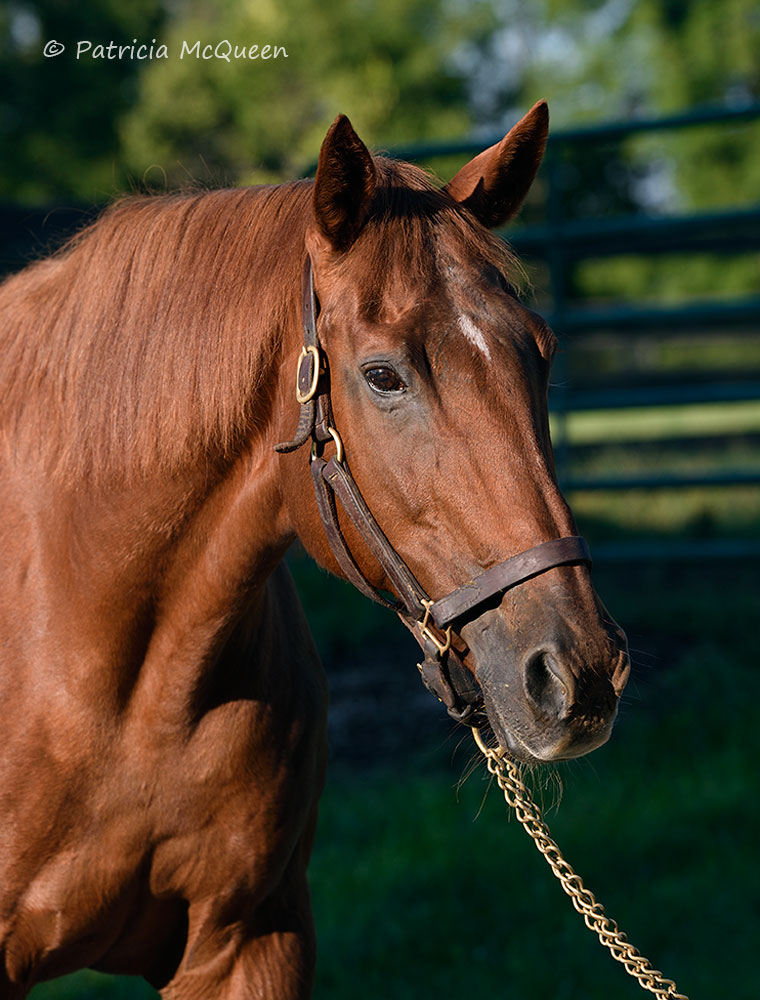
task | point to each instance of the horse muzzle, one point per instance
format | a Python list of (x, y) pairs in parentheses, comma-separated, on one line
[(552, 699)]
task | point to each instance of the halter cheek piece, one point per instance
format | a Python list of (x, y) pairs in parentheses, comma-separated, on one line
[(442, 669)]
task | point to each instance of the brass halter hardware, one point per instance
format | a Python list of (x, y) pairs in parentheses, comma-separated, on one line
[(427, 633), (304, 397), (338, 444), (339, 452)]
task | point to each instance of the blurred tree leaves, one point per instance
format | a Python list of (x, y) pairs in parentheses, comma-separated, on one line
[(59, 116), (389, 66), (707, 53), (404, 70)]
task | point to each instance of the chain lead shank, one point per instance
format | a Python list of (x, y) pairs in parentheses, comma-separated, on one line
[(508, 778)]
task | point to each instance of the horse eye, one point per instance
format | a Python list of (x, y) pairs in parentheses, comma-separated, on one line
[(382, 378)]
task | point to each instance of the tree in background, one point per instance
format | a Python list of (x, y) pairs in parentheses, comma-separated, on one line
[(389, 66), (59, 116), (404, 70), (705, 54), (618, 59)]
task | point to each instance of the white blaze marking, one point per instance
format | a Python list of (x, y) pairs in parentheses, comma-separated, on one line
[(474, 335)]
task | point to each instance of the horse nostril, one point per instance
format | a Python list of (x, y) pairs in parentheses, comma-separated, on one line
[(546, 686)]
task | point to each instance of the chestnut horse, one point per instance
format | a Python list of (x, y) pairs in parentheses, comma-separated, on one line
[(163, 734)]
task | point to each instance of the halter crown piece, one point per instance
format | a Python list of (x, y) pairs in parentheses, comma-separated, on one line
[(431, 622)]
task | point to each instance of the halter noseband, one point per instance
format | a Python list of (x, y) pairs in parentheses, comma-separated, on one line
[(442, 670)]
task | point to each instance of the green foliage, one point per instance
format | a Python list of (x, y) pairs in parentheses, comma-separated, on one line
[(407, 70), (704, 54), (86, 128), (388, 66), (610, 58), (59, 116)]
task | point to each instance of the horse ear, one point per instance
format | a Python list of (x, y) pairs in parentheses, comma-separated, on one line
[(344, 185), (494, 184)]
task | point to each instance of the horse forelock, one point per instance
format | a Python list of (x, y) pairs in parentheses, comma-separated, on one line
[(416, 238)]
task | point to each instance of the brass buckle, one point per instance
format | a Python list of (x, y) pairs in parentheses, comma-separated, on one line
[(426, 633), (305, 352), (338, 446)]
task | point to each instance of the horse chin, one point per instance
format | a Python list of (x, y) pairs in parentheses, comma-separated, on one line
[(536, 748), (507, 741)]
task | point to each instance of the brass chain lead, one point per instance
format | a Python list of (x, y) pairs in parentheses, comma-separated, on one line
[(508, 778)]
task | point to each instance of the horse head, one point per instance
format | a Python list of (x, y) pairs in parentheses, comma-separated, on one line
[(437, 377)]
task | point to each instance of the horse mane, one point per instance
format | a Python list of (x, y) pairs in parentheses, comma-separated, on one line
[(147, 340), (147, 337)]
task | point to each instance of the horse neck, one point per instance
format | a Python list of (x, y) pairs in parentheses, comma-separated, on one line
[(222, 486)]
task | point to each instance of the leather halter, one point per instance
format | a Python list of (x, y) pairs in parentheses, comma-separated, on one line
[(442, 670)]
